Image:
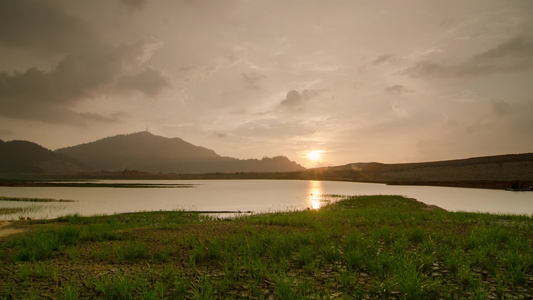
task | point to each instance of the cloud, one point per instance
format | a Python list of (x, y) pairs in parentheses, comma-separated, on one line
[(133, 5), (500, 107), (381, 59), (275, 129), (398, 89), (252, 80), (295, 100), (138, 53), (43, 28), (49, 95), (220, 135), (517, 48), (515, 55), (464, 96), (399, 111), (292, 101), (150, 81), (199, 72)]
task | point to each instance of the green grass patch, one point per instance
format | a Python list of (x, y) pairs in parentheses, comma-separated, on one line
[(359, 247)]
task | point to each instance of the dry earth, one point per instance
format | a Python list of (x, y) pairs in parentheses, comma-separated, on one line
[(6, 229)]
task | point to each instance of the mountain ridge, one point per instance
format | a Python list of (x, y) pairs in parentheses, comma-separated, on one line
[(144, 155), (147, 152), (495, 171), (18, 157)]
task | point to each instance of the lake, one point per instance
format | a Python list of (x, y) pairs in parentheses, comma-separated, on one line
[(247, 195)]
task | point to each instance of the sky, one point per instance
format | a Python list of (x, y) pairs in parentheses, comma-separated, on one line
[(350, 81)]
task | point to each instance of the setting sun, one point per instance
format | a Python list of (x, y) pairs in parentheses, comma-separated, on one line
[(314, 155)]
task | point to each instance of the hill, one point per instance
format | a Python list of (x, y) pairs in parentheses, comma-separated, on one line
[(146, 152), (490, 171), (23, 157)]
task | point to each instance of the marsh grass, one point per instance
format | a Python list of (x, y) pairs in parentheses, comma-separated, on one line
[(359, 247), (24, 210), (20, 199)]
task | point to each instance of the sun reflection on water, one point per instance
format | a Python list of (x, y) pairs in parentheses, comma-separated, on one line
[(315, 194)]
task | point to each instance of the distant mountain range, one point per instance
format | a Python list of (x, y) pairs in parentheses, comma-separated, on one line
[(141, 151), (144, 155)]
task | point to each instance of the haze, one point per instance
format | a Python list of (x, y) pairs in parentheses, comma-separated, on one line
[(352, 81)]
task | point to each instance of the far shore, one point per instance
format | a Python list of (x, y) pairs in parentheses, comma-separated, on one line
[(70, 180)]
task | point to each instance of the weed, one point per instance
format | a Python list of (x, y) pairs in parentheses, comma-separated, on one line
[(42, 270), (167, 274), (162, 255), (330, 253), (417, 236), (304, 257), (410, 282), (70, 291), (284, 287), (204, 289), (181, 285), (24, 271), (131, 251), (119, 286), (73, 253)]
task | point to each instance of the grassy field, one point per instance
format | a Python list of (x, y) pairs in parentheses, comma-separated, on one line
[(364, 247)]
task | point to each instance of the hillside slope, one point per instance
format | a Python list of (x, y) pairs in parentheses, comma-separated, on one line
[(144, 151), (460, 172), (23, 157)]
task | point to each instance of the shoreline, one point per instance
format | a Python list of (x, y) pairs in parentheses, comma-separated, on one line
[(53, 182)]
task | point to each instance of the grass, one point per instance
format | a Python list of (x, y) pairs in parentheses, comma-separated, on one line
[(359, 247), (19, 199), (22, 210)]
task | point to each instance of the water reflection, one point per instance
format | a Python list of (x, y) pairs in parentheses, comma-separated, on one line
[(259, 196), (315, 193)]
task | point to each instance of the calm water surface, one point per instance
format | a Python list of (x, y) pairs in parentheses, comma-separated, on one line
[(249, 195)]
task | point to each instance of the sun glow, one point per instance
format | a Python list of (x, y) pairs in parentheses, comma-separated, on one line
[(314, 155)]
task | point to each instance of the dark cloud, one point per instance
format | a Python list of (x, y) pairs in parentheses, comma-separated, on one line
[(501, 107), (398, 89), (381, 59), (515, 55), (150, 82), (220, 135), (38, 26), (292, 101), (133, 5), (49, 95), (295, 99), (252, 80), (88, 66), (516, 48)]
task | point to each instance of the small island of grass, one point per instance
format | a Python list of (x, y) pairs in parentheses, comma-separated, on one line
[(363, 247)]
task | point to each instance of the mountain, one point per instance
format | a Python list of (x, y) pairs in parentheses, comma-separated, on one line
[(23, 157), (146, 152)]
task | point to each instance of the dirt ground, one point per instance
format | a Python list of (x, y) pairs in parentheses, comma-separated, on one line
[(6, 229)]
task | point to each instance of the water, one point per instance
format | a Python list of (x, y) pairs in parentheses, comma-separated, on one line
[(248, 195)]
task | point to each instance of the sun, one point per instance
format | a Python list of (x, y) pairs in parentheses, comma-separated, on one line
[(314, 155)]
